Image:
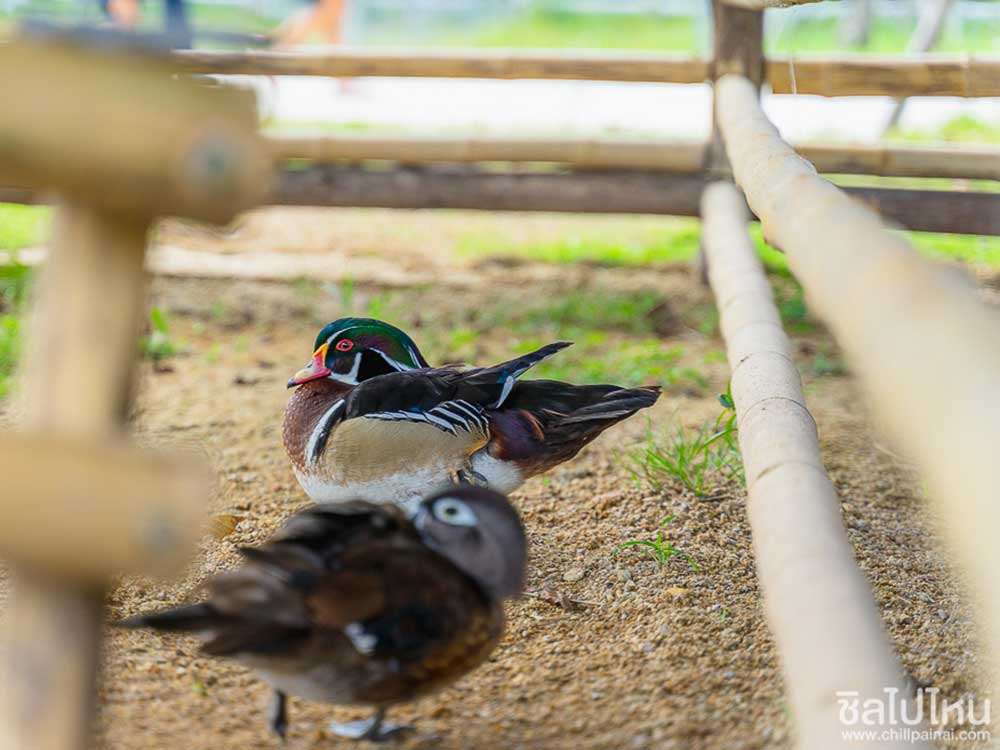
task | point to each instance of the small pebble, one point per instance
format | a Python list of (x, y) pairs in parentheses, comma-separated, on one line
[(574, 574)]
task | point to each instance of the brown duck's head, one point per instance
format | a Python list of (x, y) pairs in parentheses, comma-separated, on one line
[(351, 350), (478, 531)]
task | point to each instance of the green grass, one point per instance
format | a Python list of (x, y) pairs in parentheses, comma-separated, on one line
[(22, 226), (701, 460), (560, 29), (660, 549), (887, 36), (556, 29), (963, 128), (14, 282)]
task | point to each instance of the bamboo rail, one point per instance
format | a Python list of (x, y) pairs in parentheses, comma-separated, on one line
[(826, 75), (870, 75), (683, 157), (458, 63), (819, 605), (907, 325)]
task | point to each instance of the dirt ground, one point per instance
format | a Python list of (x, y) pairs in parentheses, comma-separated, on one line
[(609, 649)]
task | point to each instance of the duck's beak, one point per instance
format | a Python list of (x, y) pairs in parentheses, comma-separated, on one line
[(314, 370)]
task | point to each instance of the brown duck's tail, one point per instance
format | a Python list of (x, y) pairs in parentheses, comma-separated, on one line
[(187, 619)]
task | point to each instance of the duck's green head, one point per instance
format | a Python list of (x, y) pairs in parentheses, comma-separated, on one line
[(354, 349)]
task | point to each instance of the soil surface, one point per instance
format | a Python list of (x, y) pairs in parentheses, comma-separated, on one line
[(609, 649)]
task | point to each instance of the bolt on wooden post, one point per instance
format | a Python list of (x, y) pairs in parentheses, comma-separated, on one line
[(79, 503)]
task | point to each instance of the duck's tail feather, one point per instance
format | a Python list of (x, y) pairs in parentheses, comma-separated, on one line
[(616, 406), (190, 618), (506, 374)]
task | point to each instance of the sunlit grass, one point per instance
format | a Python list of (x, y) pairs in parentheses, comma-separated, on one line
[(22, 226)]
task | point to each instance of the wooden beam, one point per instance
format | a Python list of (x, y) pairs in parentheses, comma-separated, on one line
[(112, 508), (445, 63), (825, 75), (459, 186), (680, 157), (161, 146), (819, 606), (917, 334), (869, 75), (463, 187)]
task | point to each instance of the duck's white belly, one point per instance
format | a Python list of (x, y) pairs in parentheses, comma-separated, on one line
[(401, 488)]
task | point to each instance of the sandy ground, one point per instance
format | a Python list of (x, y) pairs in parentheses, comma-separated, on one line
[(609, 649)]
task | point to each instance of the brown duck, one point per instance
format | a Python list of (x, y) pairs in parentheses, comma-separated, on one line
[(356, 603), (370, 418)]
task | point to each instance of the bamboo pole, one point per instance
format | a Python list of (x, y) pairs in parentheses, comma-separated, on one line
[(921, 341), (157, 147), (819, 605), (682, 157), (445, 63), (76, 384), (765, 4), (870, 75), (825, 75)]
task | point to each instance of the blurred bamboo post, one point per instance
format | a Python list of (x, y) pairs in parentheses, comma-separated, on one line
[(77, 379), (819, 605), (922, 342), (117, 162)]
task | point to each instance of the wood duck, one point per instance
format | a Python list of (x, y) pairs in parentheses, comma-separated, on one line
[(370, 418), (360, 603)]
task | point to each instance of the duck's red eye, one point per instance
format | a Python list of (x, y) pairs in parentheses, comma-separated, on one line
[(345, 345)]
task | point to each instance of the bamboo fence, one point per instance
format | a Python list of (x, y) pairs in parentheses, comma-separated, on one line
[(917, 334), (819, 606)]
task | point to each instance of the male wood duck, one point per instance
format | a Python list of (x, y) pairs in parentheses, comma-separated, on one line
[(370, 418), (358, 603)]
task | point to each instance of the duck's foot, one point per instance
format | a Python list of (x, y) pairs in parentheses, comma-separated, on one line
[(468, 476), (277, 714), (375, 729)]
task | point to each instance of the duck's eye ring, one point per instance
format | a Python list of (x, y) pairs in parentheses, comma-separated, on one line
[(344, 345), (454, 512)]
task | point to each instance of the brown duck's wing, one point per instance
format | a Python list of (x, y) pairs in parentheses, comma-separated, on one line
[(545, 422), (436, 623), (266, 606)]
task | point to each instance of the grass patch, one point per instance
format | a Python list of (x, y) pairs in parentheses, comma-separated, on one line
[(22, 226), (700, 460), (887, 35), (660, 549), (158, 345), (964, 128), (15, 280), (560, 29)]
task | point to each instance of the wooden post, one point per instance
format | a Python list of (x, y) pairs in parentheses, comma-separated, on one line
[(117, 161), (737, 47), (76, 382)]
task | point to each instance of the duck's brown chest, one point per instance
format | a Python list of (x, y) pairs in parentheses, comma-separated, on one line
[(305, 408)]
